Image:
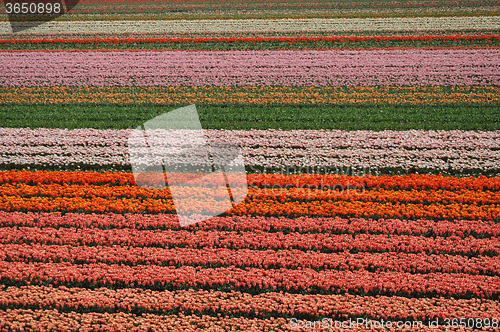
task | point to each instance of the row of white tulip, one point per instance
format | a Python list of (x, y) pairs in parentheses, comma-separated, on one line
[(265, 25), (433, 150), (409, 139)]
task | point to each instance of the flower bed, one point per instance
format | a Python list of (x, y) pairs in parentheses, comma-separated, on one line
[(369, 135)]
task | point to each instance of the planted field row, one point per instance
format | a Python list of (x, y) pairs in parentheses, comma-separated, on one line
[(266, 206), (268, 195), (442, 228), (54, 320), (280, 10), (417, 67), (259, 43), (245, 258), (68, 35), (263, 25), (232, 303), (258, 160), (60, 139), (310, 181), (137, 10), (323, 192), (484, 95), (216, 114), (359, 152), (306, 280), (468, 246)]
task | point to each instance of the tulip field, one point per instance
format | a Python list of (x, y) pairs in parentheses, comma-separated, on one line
[(370, 135)]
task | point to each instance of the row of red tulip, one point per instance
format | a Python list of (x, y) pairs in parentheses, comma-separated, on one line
[(413, 181), (238, 303), (213, 257), (484, 228), (299, 280), (251, 240)]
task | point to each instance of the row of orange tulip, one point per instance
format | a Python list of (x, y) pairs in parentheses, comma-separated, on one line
[(414, 181), (289, 193), (252, 95), (264, 207)]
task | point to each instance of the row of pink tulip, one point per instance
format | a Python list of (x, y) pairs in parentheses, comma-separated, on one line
[(238, 303), (420, 67), (460, 228), (292, 258), (250, 240), (410, 139), (53, 320), (304, 279)]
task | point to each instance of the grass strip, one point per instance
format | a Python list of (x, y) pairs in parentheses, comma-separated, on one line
[(243, 117)]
